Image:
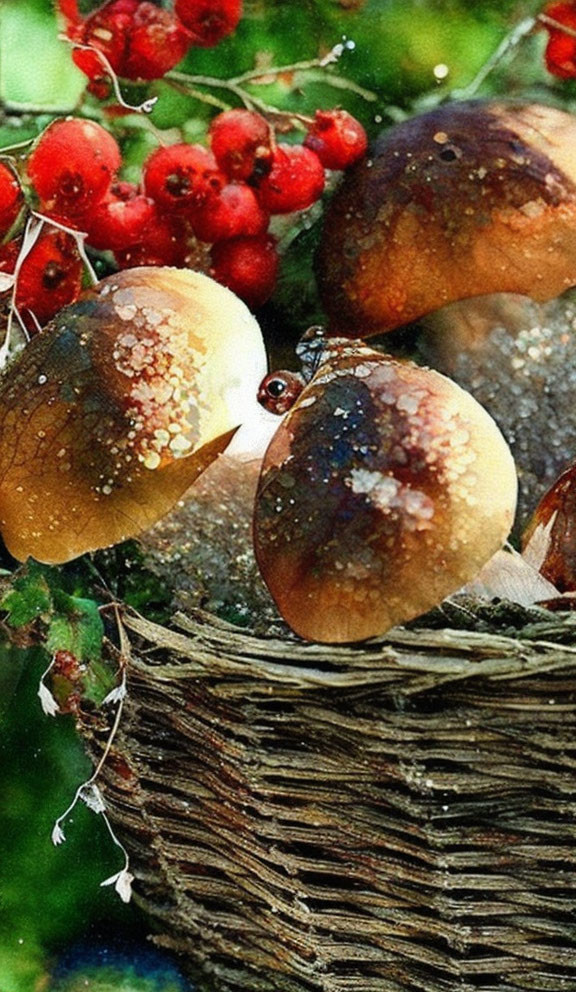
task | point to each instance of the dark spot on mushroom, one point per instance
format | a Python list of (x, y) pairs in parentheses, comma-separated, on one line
[(448, 155)]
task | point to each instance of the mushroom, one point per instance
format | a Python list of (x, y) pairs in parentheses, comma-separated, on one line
[(550, 539), (385, 489), (116, 407), (468, 199)]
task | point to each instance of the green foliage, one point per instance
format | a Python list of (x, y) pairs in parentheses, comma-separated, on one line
[(47, 895), (36, 70), (29, 597), (73, 623), (76, 626)]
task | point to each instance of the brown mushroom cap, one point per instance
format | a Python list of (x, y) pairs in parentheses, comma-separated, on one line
[(469, 199), (385, 488), (116, 407), (550, 538)]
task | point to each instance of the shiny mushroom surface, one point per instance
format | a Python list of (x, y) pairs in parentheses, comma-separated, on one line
[(112, 411), (469, 199), (385, 488)]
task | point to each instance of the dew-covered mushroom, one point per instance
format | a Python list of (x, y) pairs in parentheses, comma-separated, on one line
[(385, 489), (115, 408), (468, 199)]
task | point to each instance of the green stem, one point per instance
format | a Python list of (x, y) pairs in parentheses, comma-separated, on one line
[(512, 39), (557, 25)]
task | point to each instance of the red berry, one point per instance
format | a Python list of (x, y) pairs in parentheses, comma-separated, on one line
[(156, 43), (72, 165), (181, 177), (248, 266), (209, 21), (232, 212), (560, 54), (295, 181), (11, 198), (240, 140), (162, 242), (9, 254), (139, 40), (106, 29), (119, 219), (69, 10), (338, 139), (50, 277)]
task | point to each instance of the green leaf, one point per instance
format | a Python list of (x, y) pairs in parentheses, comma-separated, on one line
[(36, 69), (29, 596), (76, 627)]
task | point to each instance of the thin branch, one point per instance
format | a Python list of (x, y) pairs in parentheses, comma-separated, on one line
[(79, 238), (557, 25), (146, 107), (343, 83), (303, 66), (255, 77), (195, 94), (508, 44), (31, 233), (88, 792), (4, 151)]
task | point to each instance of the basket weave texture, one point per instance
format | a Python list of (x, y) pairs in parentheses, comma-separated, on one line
[(396, 817)]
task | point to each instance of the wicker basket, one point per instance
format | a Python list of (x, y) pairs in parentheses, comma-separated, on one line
[(382, 818)]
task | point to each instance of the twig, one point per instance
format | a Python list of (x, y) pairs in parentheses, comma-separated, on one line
[(557, 25), (255, 77), (31, 233), (79, 238), (191, 91), (88, 792), (512, 39), (4, 152), (146, 107)]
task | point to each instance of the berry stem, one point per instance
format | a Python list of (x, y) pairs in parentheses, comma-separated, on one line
[(79, 238), (557, 25), (6, 149), (146, 107), (343, 83), (187, 84), (191, 91), (32, 232), (507, 45)]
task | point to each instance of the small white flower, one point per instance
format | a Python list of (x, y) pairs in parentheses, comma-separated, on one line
[(47, 701), (122, 882), (91, 795), (115, 695), (57, 834)]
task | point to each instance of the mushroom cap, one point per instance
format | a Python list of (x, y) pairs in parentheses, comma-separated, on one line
[(549, 541), (113, 410), (385, 488), (468, 199)]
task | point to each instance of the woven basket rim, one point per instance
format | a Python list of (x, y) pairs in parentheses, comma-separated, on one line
[(199, 645)]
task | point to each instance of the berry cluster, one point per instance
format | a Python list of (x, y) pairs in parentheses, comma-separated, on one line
[(560, 54), (200, 207), (136, 39)]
